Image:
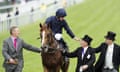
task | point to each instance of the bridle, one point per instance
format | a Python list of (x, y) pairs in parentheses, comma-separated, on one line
[(47, 48)]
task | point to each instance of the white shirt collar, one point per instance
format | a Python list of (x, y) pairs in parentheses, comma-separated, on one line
[(12, 38), (85, 49), (112, 45)]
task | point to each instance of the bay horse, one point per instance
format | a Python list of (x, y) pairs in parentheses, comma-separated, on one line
[(52, 58)]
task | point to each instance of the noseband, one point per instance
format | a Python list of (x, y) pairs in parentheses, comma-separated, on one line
[(48, 49)]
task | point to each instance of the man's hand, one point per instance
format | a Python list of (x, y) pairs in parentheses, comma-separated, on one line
[(41, 50), (12, 61), (62, 50), (77, 39), (84, 67)]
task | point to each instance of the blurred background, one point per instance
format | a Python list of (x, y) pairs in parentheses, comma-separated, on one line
[(92, 17), (20, 12)]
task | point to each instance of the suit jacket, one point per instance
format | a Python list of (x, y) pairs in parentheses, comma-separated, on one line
[(101, 61), (9, 51), (86, 60)]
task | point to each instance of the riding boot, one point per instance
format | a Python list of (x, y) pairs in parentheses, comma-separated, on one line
[(63, 45), (66, 59)]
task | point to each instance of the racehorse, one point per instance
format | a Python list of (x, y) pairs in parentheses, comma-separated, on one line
[(51, 54)]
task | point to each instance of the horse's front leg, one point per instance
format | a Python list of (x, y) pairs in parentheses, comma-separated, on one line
[(58, 69), (65, 66)]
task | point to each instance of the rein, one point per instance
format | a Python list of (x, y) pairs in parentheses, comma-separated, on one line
[(48, 49)]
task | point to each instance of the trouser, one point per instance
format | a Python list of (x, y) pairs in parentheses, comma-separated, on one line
[(109, 70), (12, 68), (64, 45)]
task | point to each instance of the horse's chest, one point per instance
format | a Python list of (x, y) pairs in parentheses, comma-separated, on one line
[(51, 58)]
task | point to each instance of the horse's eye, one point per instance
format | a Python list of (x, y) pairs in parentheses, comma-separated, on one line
[(48, 35), (41, 30)]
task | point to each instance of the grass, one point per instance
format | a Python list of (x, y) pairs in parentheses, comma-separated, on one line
[(92, 17)]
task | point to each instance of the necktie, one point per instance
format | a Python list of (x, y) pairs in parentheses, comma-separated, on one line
[(82, 52), (15, 43)]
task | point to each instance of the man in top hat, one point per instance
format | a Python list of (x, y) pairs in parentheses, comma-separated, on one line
[(85, 55), (109, 58)]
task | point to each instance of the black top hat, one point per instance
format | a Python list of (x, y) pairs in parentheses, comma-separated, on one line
[(87, 39), (110, 35)]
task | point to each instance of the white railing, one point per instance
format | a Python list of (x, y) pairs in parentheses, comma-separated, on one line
[(29, 17)]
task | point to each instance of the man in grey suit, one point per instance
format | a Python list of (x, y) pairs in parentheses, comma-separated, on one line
[(13, 51)]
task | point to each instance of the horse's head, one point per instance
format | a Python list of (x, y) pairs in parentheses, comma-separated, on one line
[(46, 35)]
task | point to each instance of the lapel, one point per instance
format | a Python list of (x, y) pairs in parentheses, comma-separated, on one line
[(12, 45), (10, 42), (80, 53), (105, 50), (86, 54), (114, 52), (18, 43)]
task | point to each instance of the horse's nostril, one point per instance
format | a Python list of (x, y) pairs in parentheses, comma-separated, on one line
[(44, 46)]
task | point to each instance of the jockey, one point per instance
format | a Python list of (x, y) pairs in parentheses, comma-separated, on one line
[(57, 23)]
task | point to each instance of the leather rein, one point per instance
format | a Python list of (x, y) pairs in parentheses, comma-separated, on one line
[(48, 49)]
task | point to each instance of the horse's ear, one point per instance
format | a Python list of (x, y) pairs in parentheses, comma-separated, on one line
[(40, 25)]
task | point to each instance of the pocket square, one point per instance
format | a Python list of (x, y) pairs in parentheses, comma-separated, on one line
[(88, 57)]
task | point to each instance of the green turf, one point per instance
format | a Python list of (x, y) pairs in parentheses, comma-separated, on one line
[(93, 17)]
